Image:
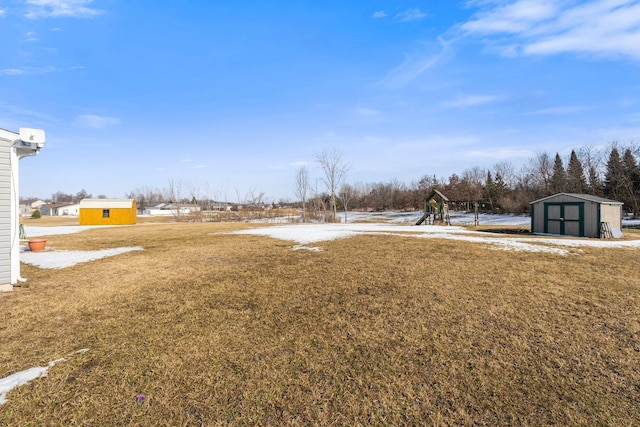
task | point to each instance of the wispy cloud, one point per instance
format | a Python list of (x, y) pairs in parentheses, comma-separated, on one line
[(471, 101), (429, 142), (516, 17), (413, 66), (21, 71), (605, 28), (22, 114), (300, 163), (2, 13), (96, 122), (366, 112), (31, 37), (60, 8), (501, 154), (379, 14), (560, 111), (410, 15)]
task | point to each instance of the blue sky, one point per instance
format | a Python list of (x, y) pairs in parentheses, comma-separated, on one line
[(233, 96)]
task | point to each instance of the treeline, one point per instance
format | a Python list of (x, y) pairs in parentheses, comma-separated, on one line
[(612, 173)]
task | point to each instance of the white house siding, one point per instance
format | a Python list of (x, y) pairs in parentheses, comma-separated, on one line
[(5, 213), (71, 210), (158, 212)]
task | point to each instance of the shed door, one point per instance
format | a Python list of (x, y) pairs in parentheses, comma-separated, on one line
[(564, 218)]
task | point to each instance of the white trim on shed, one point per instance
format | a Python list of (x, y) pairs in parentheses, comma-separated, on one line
[(106, 203)]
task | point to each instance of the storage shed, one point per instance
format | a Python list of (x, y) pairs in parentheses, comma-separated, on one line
[(579, 215), (108, 212)]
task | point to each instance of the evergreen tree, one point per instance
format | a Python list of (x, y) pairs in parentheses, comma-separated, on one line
[(500, 189), (559, 177), (595, 185), (488, 192), (576, 181), (630, 182), (614, 177)]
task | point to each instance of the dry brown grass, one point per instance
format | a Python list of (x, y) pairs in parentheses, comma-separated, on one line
[(219, 329), (46, 221)]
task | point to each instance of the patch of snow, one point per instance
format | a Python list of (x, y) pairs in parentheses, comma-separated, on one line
[(304, 234), (63, 259), (457, 218), (20, 378), (468, 218), (23, 377), (37, 231), (312, 233)]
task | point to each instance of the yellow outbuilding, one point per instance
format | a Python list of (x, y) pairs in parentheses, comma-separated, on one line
[(108, 212)]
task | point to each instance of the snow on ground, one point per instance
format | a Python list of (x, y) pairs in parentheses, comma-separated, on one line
[(62, 259), (23, 377), (397, 224), (393, 223), (312, 233), (35, 231), (457, 218)]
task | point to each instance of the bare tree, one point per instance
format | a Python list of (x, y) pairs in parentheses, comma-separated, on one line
[(507, 172), (60, 197), (592, 162), (541, 168), (335, 171), (174, 194), (302, 188), (195, 199), (347, 193), (222, 194), (255, 198), (82, 194)]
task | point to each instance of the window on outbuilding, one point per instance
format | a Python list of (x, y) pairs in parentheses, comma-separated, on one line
[(105, 213)]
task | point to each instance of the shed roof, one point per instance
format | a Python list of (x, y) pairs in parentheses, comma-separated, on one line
[(587, 197), (106, 203)]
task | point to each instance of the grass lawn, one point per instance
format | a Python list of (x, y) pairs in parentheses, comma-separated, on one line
[(221, 329)]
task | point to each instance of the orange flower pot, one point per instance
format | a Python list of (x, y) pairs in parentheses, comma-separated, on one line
[(37, 245)]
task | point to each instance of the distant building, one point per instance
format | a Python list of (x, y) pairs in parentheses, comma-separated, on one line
[(60, 209), (108, 212), (38, 204), (25, 210), (579, 215), (171, 209)]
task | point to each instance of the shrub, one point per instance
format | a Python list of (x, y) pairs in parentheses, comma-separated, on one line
[(36, 214)]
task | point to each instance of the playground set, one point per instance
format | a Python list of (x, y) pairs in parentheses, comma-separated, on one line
[(436, 210)]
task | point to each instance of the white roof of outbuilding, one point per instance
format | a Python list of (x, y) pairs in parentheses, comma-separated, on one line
[(581, 196), (106, 203)]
